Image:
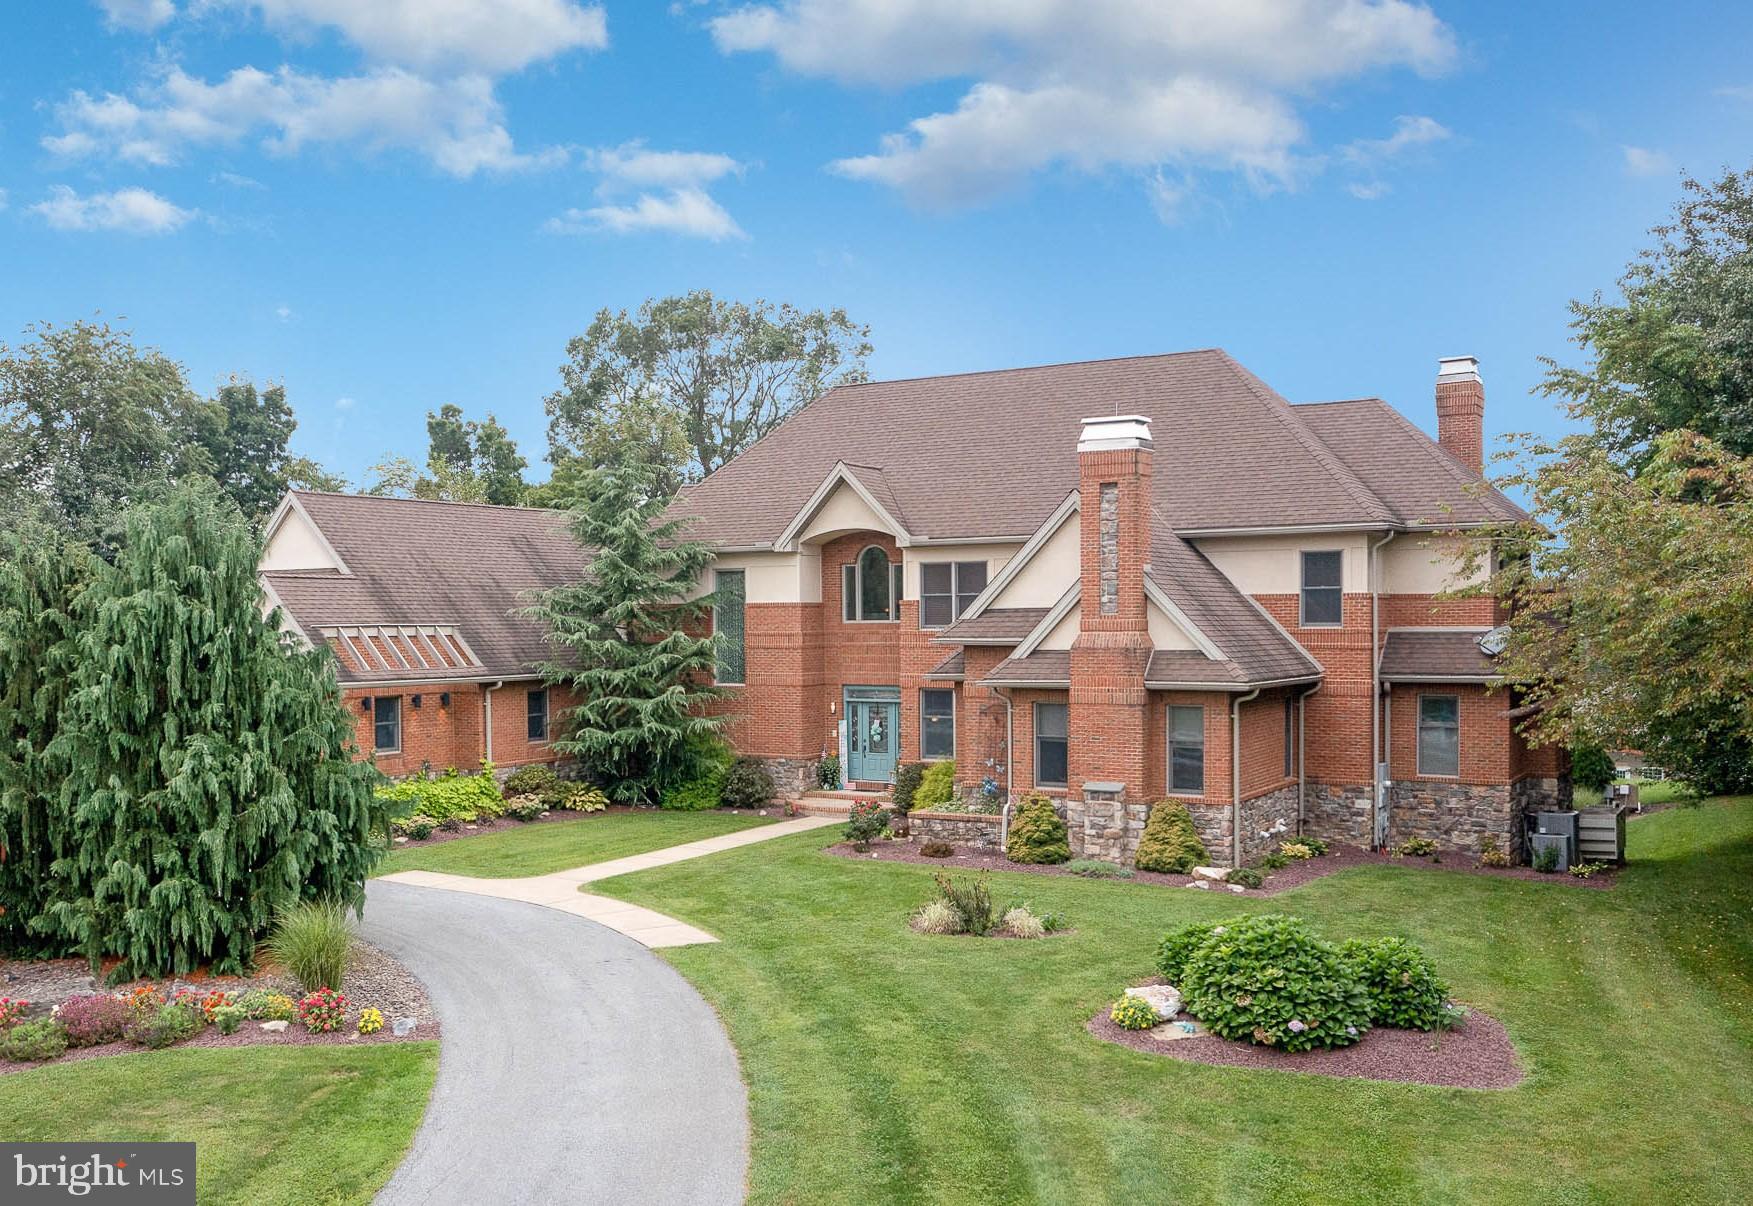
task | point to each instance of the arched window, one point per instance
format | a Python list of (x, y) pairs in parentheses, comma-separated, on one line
[(871, 587)]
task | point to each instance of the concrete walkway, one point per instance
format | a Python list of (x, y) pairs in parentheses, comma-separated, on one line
[(575, 1067), (560, 889)]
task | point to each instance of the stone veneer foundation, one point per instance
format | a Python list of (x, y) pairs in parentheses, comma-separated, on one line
[(957, 828), (791, 776)]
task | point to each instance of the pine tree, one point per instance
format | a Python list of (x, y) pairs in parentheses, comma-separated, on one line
[(623, 641), (205, 769), (1170, 843), (1037, 835)]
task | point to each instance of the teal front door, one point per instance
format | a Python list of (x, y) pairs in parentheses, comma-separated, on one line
[(873, 721)]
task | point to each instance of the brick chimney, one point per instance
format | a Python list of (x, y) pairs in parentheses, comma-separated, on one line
[(1108, 659), (1460, 410)]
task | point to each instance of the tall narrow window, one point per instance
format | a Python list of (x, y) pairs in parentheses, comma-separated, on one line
[(870, 588), (1289, 736), (947, 589), (1187, 750), (538, 714), (1439, 735), (386, 729), (1323, 589), (937, 723), (728, 599), (1050, 744)]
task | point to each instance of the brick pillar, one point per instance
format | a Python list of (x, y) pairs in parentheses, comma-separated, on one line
[(1460, 410), (1108, 700)]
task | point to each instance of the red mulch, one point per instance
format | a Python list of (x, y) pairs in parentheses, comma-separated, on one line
[(250, 1034), (1297, 873), (501, 824), (1476, 1054)]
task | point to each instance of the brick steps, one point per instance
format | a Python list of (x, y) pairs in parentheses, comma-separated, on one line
[(833, 803)]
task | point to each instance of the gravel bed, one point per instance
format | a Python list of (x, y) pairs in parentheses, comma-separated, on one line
[(1298, 872), (1476, 1054)]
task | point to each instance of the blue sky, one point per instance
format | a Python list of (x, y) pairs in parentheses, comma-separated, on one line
[(388, 206)]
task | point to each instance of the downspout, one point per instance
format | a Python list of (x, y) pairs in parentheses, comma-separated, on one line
[(487, 690), (1377, 802), (1236, 775), (1009, 757), (1302, 753)]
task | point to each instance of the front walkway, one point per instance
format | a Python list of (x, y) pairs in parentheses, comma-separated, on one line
[(560, 889)]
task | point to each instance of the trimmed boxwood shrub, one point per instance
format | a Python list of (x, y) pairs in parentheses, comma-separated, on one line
[(748, 784), (1270, 980), (1037, 835), (907, 780), (937, 786), (1179, 945), (1170, 844), (1403, 987)]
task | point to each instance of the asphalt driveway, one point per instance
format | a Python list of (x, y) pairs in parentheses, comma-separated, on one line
[(576, 1066)]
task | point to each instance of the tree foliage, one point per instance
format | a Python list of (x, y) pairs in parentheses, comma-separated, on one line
[(696, 379), (623, 641), (174, 771), (466, 461)]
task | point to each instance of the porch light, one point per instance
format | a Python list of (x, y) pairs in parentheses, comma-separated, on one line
[(416, 703)]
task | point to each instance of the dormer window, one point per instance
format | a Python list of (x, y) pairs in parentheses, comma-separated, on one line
[(870, 588)]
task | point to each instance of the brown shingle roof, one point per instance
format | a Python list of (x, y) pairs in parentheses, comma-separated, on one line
[(992, 454), (951, 669), (1440, 655), (418, 562), (994, 626), (1042, 668)]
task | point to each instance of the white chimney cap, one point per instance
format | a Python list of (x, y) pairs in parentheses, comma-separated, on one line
[(1114, 432), (1457, 368)]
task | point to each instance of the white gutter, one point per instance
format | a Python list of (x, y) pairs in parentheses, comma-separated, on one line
[(1236, 775), (487, 690), (1377, 803), (1302, 753), (1009, 761)]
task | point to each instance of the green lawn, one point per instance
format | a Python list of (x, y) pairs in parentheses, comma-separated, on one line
[(284, 1124), (557, 845), (888, 1066)]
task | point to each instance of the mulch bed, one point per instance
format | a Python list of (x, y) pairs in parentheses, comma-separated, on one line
[(503, 824), (374, 977), (1297, 873), (1476, 1054)]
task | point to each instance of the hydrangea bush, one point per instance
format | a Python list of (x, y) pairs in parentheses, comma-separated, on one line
[(1401, 981), (1270, 980)]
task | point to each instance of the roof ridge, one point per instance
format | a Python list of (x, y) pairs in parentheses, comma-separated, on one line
[(1280, 409), (431, 502), (1031, 368)]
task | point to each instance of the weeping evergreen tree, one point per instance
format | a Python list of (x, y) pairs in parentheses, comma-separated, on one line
[(204, 766), (623, 644)]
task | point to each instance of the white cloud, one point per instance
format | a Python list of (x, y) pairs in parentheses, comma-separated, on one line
[(283, 313), (238, 181), (683, 211), (492, 36), (2, 198), (142, 15), (1089, 83), (1372, 190), (130, 210), (632, 165), (1409, 134), (1742, 92), (456, 123), (1641, 161), (344, 404)]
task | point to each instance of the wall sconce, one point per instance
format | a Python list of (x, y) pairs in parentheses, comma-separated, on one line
[(416, 703), (365, 704), (444, 699)]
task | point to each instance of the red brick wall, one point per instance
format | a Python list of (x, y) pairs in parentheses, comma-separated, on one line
[(1431, 611), (437, 738), (1263, 744), (1339, 713), (1485, 734)]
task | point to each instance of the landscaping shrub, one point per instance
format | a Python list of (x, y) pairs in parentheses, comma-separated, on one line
[(419, 826), (937, 785), (1274, 861), (35, 1041), (525, 808), (227, 1018), (1269, 980), (1052, 921), (1178, 946), (1317, 846), (1019, 922), (1037, 835), (163, 1026), (907, 780), (323, 1011), (452, 796), (704, 788), (748, 784), (1546, 859), (937, 917), (93, 1018), (311, 941), (1248, 877), (370, 1020), (1133, 1013), (1170, 844), (1587, 870), (12, 1012), (1400, 980), (1592, 769), (972, 901), (937, 850), (533, 780), (1096, 868), (828, 772), (211, 1003), (582, 797), (1296, 850), (865, 822), (1418, 847), (1491, 854), (268, 1006)]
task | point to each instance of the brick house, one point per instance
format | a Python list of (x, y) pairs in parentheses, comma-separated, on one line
[(997, 567)]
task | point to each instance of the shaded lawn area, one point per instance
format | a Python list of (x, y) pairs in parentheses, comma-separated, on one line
[(270, 1125), (539, 849), (887, 1065)]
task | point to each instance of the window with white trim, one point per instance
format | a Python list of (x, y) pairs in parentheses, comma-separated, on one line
[(1187, 750), (1051, 746), (386, 724), (937, 723), (729, 596), (1439, 735), (947, 589), (870, 588), (1323, 596), (537, 713)]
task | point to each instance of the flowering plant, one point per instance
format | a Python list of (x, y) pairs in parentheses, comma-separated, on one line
[(145, 999), (866, 819), (11, 1012), (1133, 1013), (370, 1020), (213, 1001), (323, 1011)]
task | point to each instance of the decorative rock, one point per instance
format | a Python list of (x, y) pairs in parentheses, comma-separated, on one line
[(1164, 998), (1177, 1030), (402, 1027), (1210, 872), (1237, 888), (401, 839), (275, 1027), (1199, 883), (471, 826)]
